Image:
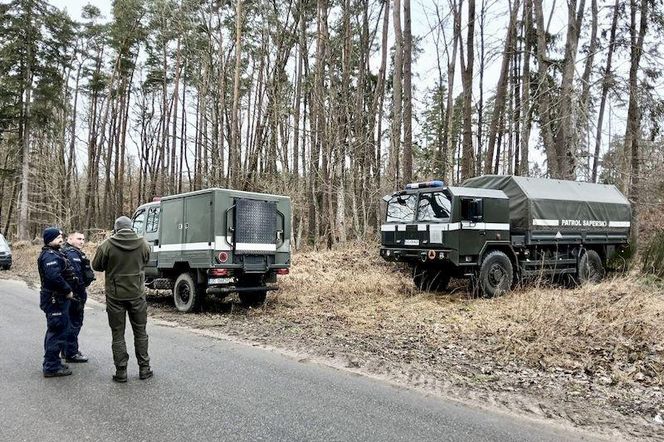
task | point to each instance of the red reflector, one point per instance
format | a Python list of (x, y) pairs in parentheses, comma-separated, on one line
[(220, 272), (223, 257), (282, 271)]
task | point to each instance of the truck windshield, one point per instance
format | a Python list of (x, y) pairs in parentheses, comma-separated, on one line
[(434, 207), (401, 209)]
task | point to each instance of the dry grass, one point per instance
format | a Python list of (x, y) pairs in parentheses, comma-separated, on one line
[(616, 327)]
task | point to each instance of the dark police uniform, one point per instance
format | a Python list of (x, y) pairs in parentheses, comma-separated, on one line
[(81, 268), (53, 268)]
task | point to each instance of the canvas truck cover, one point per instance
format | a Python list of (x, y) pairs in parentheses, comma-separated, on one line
[(545, 204)]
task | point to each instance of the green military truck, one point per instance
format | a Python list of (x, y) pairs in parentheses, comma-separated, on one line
[(497, 230), (216, 241)]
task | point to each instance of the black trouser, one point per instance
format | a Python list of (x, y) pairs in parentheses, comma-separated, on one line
[(137, 310), (57, 327), (76, 309)]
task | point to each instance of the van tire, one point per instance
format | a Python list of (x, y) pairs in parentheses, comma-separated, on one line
[(187, 295), (496, 274), (591, 269)]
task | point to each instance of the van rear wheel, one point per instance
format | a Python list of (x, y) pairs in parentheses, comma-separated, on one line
[(187, 295)]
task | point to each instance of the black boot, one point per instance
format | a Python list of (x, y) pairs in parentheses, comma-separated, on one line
[(77, 358), (57, 374), (120, 374), (145, 372)]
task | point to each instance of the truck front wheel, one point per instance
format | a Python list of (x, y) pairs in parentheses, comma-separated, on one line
[(186, 293), (590, 268), (496, 274)]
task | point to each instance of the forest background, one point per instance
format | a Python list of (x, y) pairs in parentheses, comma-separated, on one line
[(319, 100)]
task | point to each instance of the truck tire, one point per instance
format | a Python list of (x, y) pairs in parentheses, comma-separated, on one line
[(187, 295), (591, 269), (496, 274), (430, 280)]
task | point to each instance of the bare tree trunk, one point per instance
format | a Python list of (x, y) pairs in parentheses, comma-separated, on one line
[(501, 90), (408, 94), (525, 86), (543, 95), (606, 83), (23, 227), (480, 101), (394, 165), (565, 139), (468, 156), (633, 133), (448, 144), (234, 160), (584, 102)]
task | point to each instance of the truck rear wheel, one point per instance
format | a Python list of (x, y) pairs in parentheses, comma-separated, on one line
[(430, 280), (187, 295), (496, 274), (590, 268)]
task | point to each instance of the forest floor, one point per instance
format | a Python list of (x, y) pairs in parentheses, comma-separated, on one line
[(591, 357)]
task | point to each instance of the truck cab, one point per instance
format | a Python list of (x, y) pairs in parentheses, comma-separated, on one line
[(443, 232)]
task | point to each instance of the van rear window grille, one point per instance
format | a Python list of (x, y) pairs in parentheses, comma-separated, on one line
[(255, 221)]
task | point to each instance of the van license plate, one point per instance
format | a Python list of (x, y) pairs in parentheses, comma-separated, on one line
[(212, 281)]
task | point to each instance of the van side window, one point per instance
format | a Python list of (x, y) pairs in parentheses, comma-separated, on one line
[(472, 209), (138, 222), (152, 223)]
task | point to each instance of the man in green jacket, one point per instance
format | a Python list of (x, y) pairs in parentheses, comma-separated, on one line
[(123, 257)]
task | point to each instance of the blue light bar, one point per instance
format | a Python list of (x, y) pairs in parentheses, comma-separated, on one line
[(425, 184)]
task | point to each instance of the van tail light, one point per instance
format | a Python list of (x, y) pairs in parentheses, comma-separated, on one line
[(222, 257), (282, 272), (220, 272)]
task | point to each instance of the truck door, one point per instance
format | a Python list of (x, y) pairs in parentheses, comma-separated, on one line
[(152, 237), (198, 241), (472, 234), (171, 232)]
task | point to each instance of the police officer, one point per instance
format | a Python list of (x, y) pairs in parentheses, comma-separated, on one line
[(55, 297), (81, 267)]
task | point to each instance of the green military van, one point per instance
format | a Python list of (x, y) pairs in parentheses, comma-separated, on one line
[(216, 241), (497, 230)]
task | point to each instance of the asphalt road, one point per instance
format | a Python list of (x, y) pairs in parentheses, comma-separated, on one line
[(212, 389)]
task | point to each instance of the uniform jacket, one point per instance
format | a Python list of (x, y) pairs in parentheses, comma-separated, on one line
[(74, 256), (52, 265), (123, 257)]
